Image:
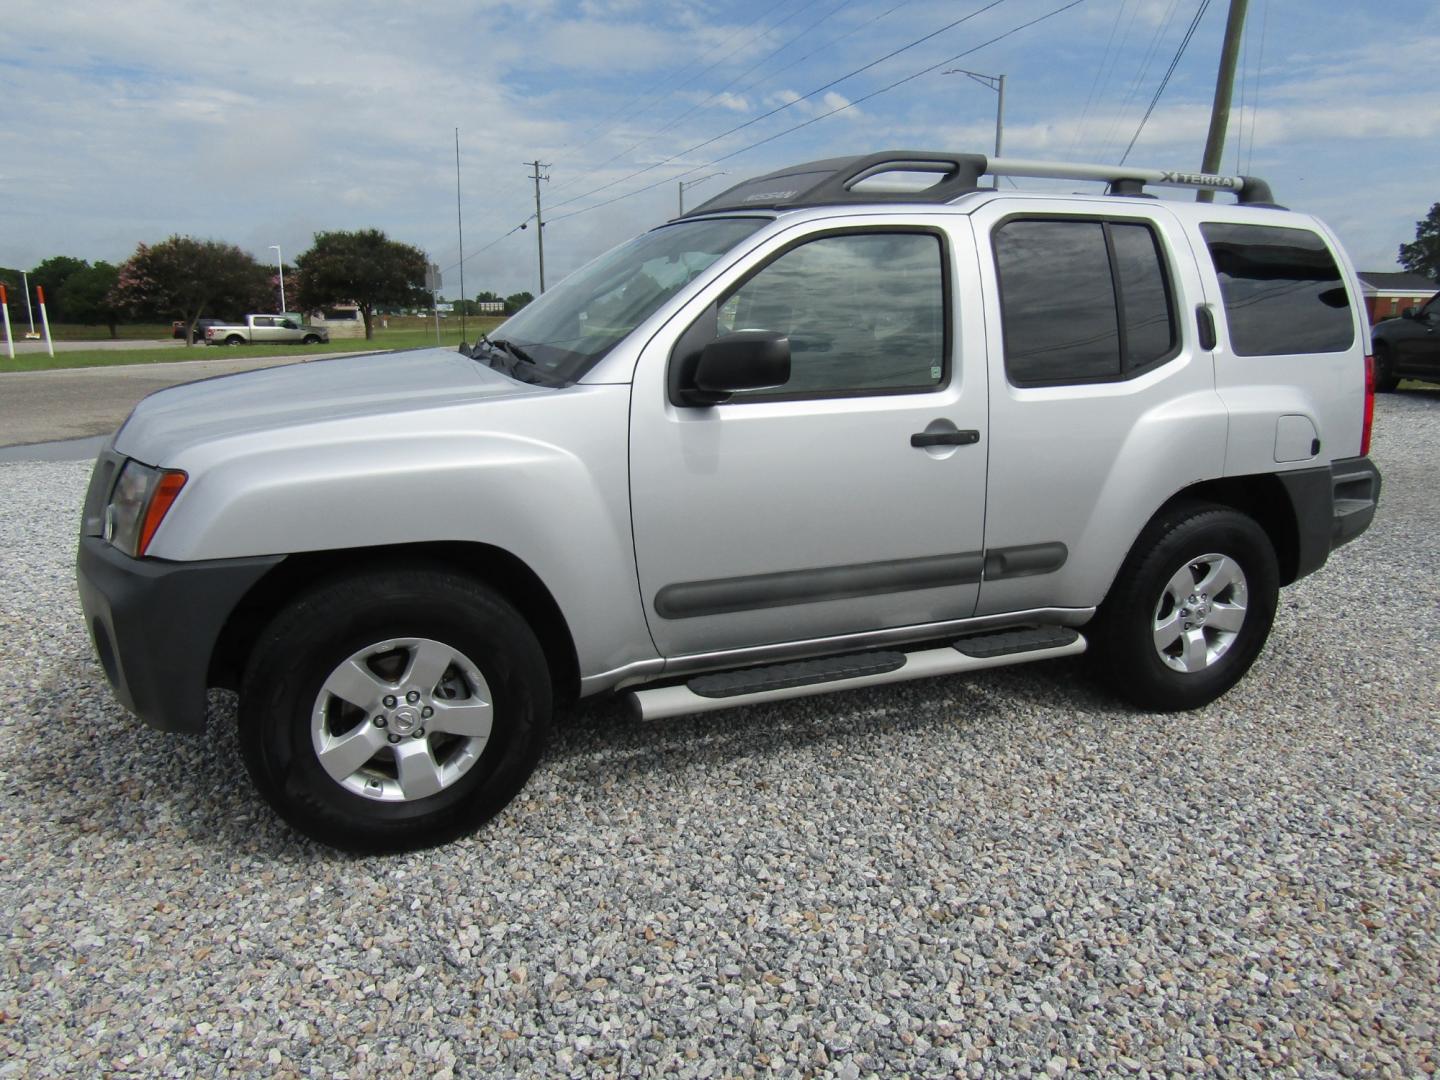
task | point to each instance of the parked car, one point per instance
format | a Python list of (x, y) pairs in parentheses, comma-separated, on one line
[(816, 434), (266, 330), (1408, 347), (179, 328)]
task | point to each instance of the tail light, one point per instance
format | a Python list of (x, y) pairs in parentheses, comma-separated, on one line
[(1369, 406)]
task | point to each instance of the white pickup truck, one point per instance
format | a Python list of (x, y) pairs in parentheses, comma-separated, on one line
[(266, 329)]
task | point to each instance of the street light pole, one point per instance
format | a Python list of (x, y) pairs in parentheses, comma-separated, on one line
[(683, 184), (996, 83), (281, 260)]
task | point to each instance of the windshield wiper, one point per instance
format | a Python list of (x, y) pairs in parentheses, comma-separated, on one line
[(513, 349)]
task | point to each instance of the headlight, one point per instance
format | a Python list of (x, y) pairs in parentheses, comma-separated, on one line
[(138, 503)]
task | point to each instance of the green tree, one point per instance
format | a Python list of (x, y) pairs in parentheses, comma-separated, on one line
[(515, 301), (365, 268), (1423, 256), (51, 276), (85, 296), (186, 278), (15, 298)]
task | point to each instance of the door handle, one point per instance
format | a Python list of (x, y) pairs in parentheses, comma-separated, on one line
[(944, 438)]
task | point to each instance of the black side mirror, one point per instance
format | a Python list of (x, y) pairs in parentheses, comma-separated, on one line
[(1410, 313), (745, 360)]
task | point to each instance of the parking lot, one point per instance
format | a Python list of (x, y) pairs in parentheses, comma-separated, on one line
[(1005, 874)]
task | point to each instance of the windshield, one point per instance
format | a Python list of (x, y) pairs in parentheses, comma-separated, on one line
[(577, 322)]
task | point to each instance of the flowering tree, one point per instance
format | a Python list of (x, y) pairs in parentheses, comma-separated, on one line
[(186, 278)]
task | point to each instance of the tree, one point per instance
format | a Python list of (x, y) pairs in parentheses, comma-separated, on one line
[(364, 268), (1423, 256), (515, 301), (51, 276), (85, 296), (186, 277)]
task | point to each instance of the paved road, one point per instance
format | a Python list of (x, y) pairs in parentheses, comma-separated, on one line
[(23, 346), (76, 403)]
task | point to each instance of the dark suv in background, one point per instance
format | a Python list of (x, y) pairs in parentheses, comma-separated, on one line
[(1408, 347)]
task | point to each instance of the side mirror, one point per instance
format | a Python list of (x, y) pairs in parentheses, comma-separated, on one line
[(1410, 313), (745, 360)]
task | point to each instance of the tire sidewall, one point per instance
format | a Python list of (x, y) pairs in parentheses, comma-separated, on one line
[(1135, 667), (285, 676)]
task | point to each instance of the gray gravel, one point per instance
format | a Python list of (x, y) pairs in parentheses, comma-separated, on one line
[(998, 875)]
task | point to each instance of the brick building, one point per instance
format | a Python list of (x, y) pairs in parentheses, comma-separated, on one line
[(1388, 294)]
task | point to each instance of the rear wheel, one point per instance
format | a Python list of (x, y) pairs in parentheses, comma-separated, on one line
[(394, 710), (1385, 378), (234, 339), (1190, 610)]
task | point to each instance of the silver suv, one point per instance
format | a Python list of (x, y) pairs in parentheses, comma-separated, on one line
[(819, 433)]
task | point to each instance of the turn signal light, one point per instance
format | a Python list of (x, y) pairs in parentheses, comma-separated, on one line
[(165, 493)]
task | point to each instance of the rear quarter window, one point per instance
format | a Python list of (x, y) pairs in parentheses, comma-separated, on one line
[(1283, 292)]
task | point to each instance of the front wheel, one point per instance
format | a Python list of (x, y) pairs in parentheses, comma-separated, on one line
[(394, 710), (311, 339), (1190, 610)]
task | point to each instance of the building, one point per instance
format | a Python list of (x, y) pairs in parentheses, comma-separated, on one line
[(1388, 294)]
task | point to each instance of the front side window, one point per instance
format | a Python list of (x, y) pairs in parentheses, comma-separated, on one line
[(1082, 300), (864, 312), (1283, 292)]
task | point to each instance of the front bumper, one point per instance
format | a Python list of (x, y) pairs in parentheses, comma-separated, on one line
[(1333, 505), (154, 625)]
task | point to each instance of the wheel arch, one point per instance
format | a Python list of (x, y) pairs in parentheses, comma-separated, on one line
[(1263, 497), (493, 566)]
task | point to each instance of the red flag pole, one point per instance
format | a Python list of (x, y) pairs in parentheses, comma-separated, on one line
[(5, 307), (45, 319)]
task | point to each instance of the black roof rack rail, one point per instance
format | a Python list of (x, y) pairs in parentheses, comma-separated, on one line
[(835, 181)]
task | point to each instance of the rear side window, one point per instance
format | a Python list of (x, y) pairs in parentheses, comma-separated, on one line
[(1283, 292), (1082, 300)]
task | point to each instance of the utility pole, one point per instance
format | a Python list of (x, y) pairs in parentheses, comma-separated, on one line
[(1224, 89), (537, 165), (460, 227), (996, 83)]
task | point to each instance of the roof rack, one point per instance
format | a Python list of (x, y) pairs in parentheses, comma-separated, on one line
[(837, 180)]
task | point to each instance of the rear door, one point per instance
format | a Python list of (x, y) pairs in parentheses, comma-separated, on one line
[(1102, 401), (812, 511)]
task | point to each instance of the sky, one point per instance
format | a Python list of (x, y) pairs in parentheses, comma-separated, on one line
[(262, 124)]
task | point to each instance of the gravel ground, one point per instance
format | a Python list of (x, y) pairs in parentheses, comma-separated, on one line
[(997, 875)]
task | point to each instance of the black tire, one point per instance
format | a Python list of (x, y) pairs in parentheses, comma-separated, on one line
[(289, 673), (1126, 633), (234, 339), (311, 339), (1386, 380)]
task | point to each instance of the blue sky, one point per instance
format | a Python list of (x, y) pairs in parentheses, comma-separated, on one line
[(263, 123)]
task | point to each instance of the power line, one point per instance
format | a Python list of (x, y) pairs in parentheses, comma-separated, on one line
[(1117, 120), (1174, 63), (781, 108), (695, 108), (832, 112), (706, 70), (1100, 71)]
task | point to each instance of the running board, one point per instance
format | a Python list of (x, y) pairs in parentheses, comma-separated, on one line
[(803, 678)]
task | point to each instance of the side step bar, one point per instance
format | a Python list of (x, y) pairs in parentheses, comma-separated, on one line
[(803, 678)]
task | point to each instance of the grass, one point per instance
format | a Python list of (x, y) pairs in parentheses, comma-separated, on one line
[(402, 333)]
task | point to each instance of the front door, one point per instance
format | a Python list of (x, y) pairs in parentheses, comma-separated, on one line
[(811, 510)]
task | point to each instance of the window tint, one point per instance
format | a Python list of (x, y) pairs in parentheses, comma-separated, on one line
[(864, 311), (1149, 323), (1070, 314), (1282, 290)]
